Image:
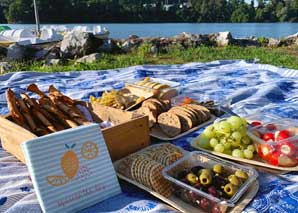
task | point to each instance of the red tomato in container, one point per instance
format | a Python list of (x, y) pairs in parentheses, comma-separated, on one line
[(282, 135), (274, 158), (269, 136), (265, 151), (256, 123), (271, 127), (286, 148)]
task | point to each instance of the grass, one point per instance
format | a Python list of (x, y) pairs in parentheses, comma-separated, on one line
[(281, 56)]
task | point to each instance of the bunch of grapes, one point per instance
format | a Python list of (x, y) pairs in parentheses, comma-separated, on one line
[(228, 137)]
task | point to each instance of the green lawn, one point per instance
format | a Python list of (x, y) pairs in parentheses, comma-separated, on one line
[(281, 56)]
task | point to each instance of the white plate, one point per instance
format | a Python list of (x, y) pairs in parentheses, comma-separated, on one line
[(256, 162), (156, 132)]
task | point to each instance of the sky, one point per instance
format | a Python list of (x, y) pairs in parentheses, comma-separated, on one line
[(248, 1)]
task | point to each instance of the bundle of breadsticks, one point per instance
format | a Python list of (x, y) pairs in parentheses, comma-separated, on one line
[(47, 114)]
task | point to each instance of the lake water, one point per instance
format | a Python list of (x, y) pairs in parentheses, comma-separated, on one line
[(241, 30)]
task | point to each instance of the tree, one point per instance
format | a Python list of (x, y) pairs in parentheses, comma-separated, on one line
[(20, 11), (74, 11), (242, 13), (2, 17)]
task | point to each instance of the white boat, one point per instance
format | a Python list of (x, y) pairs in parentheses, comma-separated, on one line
[(97, 31), (27, 37)]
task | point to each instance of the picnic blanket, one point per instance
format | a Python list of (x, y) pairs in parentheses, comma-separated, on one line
[(248, 87)]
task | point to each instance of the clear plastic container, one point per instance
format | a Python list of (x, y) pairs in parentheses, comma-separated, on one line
[(274, 145), (166, 93), (218, 108), (207, 161)]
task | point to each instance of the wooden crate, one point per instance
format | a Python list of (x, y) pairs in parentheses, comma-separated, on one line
[(129, 134)]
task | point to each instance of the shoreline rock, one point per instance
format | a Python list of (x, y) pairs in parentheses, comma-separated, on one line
[(77, 45)]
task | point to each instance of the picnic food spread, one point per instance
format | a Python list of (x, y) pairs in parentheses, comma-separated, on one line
[(145, 167), (161, 89), (209, 183), (164, 168), (122, 99), (228, 136), (48, 114), (215, 181), (276, 143)]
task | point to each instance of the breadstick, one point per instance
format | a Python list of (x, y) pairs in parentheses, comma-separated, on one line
[(34, 88), (56, 93), (26, 113), (13, 109), (44, 120), (68, 110), (33, 103), (50, 107)]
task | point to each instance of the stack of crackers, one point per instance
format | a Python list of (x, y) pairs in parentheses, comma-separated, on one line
[(146, 167), (182, 118)]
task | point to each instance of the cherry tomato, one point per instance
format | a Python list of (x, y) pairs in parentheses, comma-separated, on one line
[(274, 157), (187, 100), (271, 127), (283, 134), (286, 148), (265, 151), (269, 136), (256, 123)]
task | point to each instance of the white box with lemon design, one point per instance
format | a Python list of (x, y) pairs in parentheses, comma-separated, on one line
[(71, 169)]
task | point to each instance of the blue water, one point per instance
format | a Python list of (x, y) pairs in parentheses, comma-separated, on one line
[(274, 30)]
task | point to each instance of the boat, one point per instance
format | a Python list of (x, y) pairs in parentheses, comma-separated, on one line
[(97, 31), (5, 42), (3, 27), (48, 34), (28, 37)]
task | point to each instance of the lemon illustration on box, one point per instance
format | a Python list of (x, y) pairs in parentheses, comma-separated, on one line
[(71, 169), (70, 162)]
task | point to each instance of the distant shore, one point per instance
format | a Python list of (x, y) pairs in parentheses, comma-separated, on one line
[(82, 51), (238, 30)]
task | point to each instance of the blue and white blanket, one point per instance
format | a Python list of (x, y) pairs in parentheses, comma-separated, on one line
[(249, 88)]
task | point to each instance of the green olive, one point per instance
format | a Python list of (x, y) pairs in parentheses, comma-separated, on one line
[(205, 171), (192, 178), (205, 179), (234, 180), (230, 189), (241, 174), (217, 168)]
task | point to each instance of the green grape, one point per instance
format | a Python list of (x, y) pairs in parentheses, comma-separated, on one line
[(228, 151), (224, 127), (209, 132), (244, 122), (220, 135), (242, 131), (237, 136), (246, 140), (251, 148), (248, 154), (219, 148), (235, 121), (234, 142), (227, 145), (223, 140), (203, 141), (238, 153), (213, 142), (216, 126)]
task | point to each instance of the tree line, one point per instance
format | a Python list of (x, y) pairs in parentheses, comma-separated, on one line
[(121, 11)]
